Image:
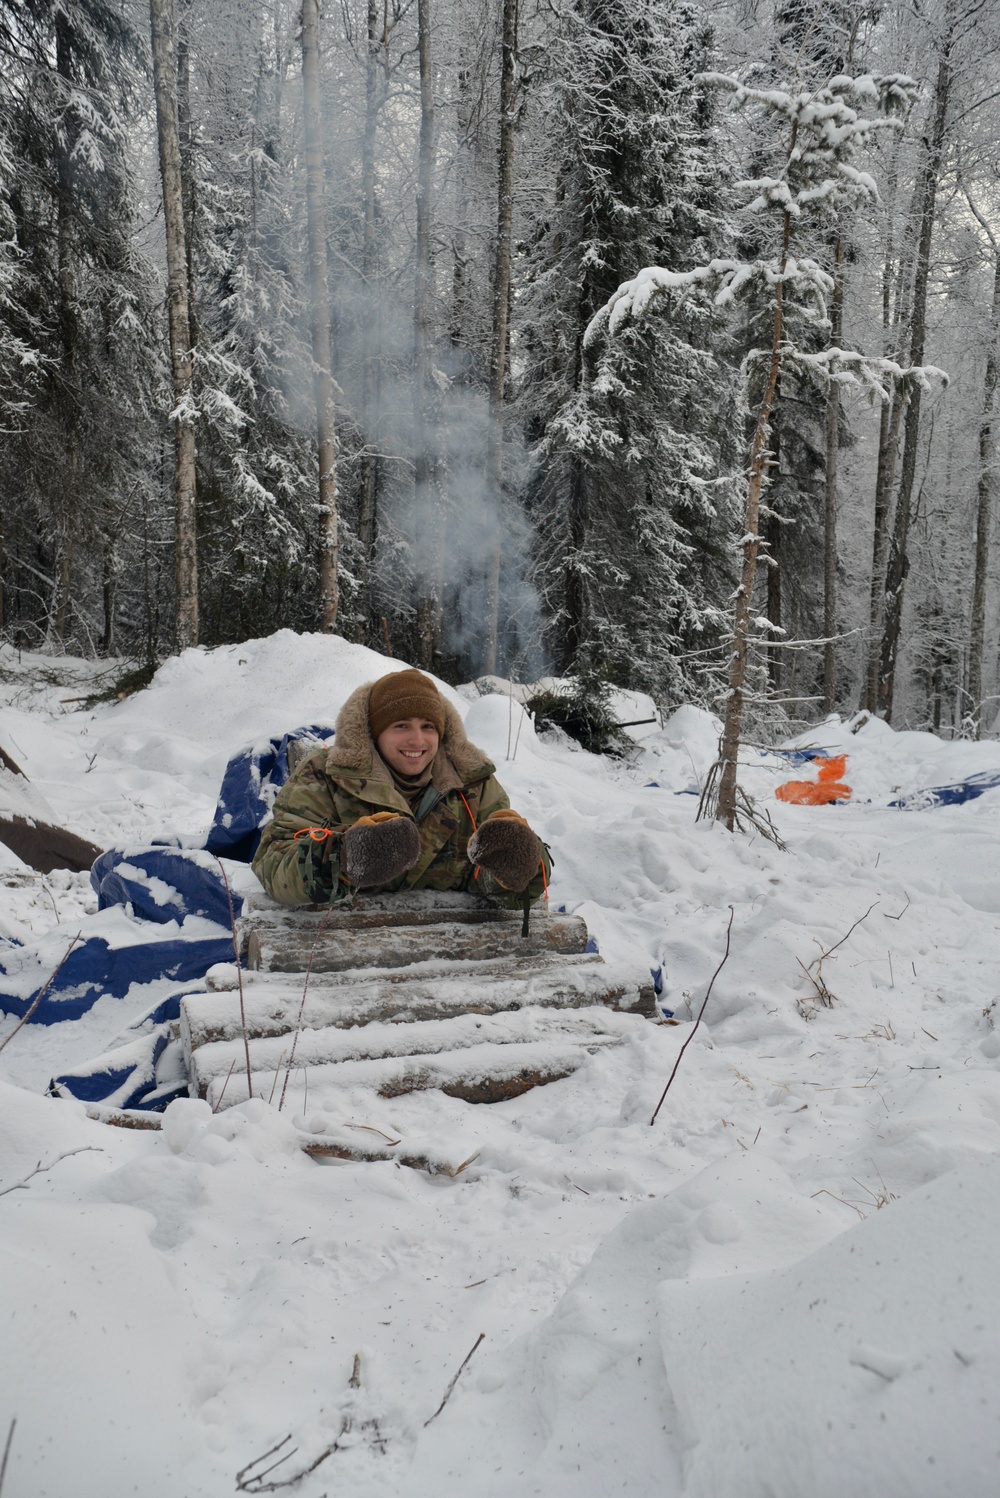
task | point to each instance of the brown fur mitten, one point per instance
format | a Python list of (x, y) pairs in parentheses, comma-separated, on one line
[(377, 849), (506, 847)]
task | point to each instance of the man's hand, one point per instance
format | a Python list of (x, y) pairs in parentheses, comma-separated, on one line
[(506, 848), (377, 849)]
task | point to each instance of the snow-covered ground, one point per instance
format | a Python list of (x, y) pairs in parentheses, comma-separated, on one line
[(788, 1286)]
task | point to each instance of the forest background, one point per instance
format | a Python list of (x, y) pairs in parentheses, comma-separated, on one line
[(293, 305)]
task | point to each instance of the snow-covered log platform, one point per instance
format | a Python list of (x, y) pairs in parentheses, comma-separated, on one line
[(401, 993)]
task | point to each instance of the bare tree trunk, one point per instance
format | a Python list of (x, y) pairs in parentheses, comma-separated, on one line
[(498, 339), (927, 199), (326, 440), (68, 481), (771, 535), (732, 728), (426, 497), (896, 294), (830, 492), (984, 513), (368, 487), (163, 27)]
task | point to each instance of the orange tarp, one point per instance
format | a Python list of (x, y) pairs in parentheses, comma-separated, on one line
[(828, 787)]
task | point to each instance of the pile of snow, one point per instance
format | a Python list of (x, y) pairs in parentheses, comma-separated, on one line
[(785, 1287)]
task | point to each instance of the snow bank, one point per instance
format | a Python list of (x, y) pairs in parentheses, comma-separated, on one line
[(646, 1293), (862, 1368)]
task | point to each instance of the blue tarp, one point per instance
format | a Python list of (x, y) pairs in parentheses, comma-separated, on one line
[(163, 884), (97, 967), (142, 1069), (252, 779), (950, 795)]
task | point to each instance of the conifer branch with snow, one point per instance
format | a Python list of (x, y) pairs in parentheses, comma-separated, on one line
[(816, 179)]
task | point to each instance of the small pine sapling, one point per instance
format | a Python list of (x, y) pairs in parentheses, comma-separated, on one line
[(785, 292)]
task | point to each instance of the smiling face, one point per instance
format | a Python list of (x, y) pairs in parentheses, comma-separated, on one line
[(408, 746)]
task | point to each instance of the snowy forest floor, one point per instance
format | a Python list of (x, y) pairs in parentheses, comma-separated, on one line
[(787, 1287)]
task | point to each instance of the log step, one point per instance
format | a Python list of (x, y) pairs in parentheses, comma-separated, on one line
[(487, 1073), (378, 911), (294, 949), (376, 1042), (404, 908), (273, 1006)]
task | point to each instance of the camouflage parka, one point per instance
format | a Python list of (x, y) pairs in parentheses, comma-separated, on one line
[(335, 786)]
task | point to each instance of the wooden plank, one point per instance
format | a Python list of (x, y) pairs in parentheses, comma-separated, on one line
[(290, 950), (484, 1073), (270, 1054), (276, 1007)]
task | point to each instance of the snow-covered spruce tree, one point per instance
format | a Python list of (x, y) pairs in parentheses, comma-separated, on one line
[(258, 531), (817, 177), (628, 558), (80, 353)]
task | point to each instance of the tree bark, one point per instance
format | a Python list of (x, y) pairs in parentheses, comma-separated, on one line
[(425, 475), (732, 729), (326, 440), (830, 491), (898, 565), (498, 339), (984, 514), (368, 486), (163, 28)]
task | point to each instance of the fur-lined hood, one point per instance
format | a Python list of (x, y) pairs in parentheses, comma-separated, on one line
[(457, 762)]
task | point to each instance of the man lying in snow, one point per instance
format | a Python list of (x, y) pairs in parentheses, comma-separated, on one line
[(401, 801)]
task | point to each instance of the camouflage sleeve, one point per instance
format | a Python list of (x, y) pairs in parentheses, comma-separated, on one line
[(495, 798), (304, 870)]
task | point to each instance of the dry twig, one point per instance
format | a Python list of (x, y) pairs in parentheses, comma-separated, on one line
[(39, 996), (302, 1006), (701, 1011), (249, 1481), (239, 974), (6, 1452), (461, 1367), (41, 1169), (823, 993)]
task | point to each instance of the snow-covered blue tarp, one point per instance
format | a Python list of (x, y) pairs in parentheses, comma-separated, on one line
[(950, 795), (252, 780), (184, 889), (64, 974), (142, 1069), (164, 917)]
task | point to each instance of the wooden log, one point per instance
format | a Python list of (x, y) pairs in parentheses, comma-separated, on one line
[(331, 950), (278, 924), (337, 1145), (485, 1073), (396, 909), (270, 1054), (45, 847), (275, 1008), (124, 1118)]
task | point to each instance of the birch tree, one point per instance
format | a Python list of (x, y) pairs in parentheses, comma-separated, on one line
[(823, 133)]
